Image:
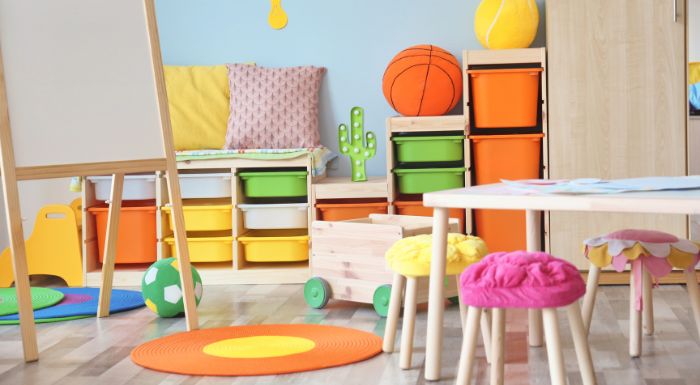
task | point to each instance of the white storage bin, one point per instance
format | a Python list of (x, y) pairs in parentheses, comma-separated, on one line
[(205, 185), (136, 187), (275, 216)]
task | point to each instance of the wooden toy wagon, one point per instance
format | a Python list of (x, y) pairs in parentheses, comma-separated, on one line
[(347, 260)]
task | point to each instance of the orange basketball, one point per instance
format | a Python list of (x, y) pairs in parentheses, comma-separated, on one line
[(423, 80)]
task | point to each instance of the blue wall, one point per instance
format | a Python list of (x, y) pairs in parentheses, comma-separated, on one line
[(353, 39)]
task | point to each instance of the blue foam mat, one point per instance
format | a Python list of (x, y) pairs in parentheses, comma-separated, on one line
[(121, 300)]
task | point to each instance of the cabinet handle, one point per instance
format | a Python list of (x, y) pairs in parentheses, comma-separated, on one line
[(675, 10)]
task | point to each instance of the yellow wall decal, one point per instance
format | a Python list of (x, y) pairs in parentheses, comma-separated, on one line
[(278, 17)]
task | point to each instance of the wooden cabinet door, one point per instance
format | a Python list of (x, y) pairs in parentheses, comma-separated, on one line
[(617, 105)]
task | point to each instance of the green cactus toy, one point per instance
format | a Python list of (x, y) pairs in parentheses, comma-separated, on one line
[(351, 144)]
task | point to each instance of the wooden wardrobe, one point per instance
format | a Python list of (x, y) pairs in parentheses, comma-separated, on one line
[(617, 105)]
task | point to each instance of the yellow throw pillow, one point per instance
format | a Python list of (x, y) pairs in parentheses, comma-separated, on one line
[(694, 73), (198, 98)]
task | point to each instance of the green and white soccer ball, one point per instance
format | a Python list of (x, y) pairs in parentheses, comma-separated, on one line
[(161, 288)]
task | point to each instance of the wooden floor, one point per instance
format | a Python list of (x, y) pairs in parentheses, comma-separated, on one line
[(96, 351)]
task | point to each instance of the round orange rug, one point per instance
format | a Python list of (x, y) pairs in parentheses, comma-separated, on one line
[(257, 350)]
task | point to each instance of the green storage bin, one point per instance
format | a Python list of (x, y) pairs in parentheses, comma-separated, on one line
[(423, 180), (267, 184), (429, 148)]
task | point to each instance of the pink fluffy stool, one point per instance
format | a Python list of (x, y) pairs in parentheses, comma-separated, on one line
[(525, 280)]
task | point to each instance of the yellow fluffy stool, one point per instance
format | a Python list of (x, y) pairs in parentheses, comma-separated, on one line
[(409, 258), (52, 249)]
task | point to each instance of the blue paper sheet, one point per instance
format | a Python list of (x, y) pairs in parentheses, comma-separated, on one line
[(601, 186)]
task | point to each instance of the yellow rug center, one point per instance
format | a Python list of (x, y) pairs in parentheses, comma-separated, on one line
[(259, 347)]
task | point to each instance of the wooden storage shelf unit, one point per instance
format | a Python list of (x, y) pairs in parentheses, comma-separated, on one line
[(506, 58), (237, 271), (420, 125)]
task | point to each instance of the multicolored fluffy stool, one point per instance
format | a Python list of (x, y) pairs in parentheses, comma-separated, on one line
[(525, 280), (651, 254), (409, 258)]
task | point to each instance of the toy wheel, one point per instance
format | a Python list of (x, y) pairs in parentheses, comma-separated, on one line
[(380, 300), (454, 300), (317, 292)]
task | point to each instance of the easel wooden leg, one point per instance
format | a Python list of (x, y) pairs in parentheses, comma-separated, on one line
[(532, 220), (110, 251), (19, 259), (183, 254)]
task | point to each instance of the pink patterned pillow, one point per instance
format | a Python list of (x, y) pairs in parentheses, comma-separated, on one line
[(273, 107)]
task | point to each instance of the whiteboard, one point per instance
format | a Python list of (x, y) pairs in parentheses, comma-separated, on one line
[(80, 82)]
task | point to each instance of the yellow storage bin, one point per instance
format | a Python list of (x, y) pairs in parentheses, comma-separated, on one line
[(207, 247), (204, 215), (275, 245)]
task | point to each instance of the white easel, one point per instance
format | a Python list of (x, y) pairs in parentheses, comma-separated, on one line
[(43, 107)]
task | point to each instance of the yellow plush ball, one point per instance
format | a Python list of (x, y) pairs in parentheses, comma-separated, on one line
[(503, 24)]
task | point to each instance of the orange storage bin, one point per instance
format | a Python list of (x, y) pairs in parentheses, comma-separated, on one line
[(499, 157), (343, 209), (417, 208), (505, 97), (136, 239)]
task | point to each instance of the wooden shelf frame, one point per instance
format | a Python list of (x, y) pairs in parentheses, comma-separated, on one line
[(507, 57), (238, 271)]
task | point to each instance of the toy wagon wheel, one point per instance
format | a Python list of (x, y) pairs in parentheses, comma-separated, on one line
[(317, 292), (380, 300)]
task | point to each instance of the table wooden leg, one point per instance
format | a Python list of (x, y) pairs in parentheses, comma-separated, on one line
[(533, 231), (433, 347)]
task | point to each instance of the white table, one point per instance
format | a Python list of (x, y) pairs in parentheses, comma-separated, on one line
[(498, 196)]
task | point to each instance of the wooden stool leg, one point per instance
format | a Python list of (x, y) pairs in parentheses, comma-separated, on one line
[(466, 357), (648, 301), (462, 307), (486, 332), (635, 347), (557, 371), (392, 317), (583, 351), (498, 334), (533, 232), (535, 327), (409, 319), (691, 281), (589, 298)]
